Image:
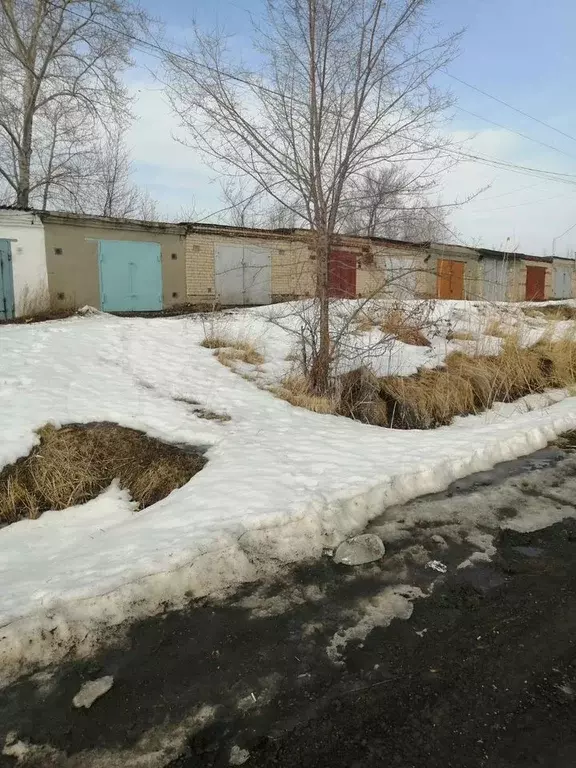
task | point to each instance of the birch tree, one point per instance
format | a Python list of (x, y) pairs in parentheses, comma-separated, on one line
[(60, 65), (343, 87)]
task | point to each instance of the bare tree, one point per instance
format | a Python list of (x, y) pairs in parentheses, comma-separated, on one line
[(393, 202), (344, 88), (112, 191), (60, 66)]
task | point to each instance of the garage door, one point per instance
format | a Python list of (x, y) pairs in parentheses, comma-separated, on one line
[(6, 282), (562, 282), (400, 276), (130, 276), (342, 275), (495, 279), (535, 283), (242, 275), (450, 280)]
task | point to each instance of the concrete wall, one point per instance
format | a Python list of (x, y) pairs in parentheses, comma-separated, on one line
[(72, 257), (293, 268), (30, 276)]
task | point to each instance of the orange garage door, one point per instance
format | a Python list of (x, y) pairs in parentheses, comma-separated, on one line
[(450, 281)]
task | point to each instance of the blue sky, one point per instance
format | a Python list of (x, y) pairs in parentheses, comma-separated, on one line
[(521, 51)]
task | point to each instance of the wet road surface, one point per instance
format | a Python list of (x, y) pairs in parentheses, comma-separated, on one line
[(478, 669)]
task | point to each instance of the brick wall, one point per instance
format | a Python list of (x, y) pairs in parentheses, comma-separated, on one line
[(292, 268)]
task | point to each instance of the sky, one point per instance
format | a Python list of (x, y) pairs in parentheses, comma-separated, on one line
[(519, 51)]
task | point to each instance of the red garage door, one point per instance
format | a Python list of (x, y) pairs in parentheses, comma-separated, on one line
[(342, 275), (535, 283)]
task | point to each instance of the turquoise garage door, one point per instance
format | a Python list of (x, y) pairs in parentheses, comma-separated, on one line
[(6, 283), (130, 276)]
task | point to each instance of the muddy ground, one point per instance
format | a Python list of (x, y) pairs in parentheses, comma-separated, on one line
[(479, 671)]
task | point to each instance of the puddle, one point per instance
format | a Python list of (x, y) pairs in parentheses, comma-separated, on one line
[(481, 578), (529, 551)]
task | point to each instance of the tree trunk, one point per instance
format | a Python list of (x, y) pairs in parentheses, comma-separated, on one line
[(25, 149), (320, 371)]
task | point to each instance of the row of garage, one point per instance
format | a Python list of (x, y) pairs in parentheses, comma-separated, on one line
[(62, 260)]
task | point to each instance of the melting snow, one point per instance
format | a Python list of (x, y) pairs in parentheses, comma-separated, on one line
[(281, 483)]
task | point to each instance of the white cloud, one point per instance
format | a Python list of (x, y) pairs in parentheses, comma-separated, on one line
[(174, 174), (517, 210)]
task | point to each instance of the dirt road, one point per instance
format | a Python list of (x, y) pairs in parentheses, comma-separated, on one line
[(478, 669)]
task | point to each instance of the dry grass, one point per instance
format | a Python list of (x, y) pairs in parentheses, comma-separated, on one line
[(296, 390), (359, 398), (468, 385), (365, 323), (552, 312), (432, 398), (76, 463), (215, 342), (203, 413), (459, 336), (494, 328), (399, 324), (240, 352), (232, 350)]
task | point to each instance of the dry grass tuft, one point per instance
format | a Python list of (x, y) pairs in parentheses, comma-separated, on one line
[(551, 311), (459, 336), (240, 352), (494, 328), (202, 413), (76, 463), (232, 350), (399, 324), (359, 398), (468, 385), (365, 323), (296, 390), (215, 342)]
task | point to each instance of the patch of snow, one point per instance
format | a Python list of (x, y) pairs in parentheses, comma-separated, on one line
[(92, 690), (281, 484), (392, 603)]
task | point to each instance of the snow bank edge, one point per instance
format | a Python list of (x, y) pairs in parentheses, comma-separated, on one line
[(79, 628)]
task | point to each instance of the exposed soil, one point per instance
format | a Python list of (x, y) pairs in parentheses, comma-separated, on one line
[(76, 463), (482, 675), (61, 314)]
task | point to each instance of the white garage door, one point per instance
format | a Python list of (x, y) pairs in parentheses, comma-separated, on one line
[(242, 274), (562, 282), (495, 279), (400, 276)]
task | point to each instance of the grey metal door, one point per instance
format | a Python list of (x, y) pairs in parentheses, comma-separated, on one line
[(400, 277), (562, 282), (495, 279), (6, 281), (257, 276), (242, 274)]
